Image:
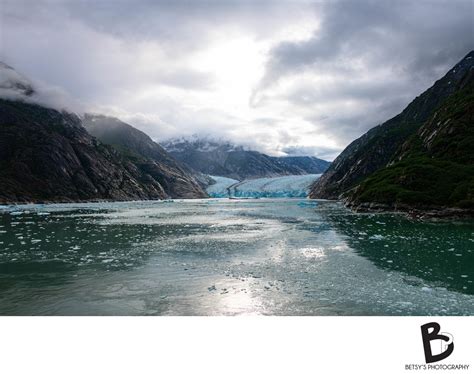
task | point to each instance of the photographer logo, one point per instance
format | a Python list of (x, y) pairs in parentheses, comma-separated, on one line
[(437, 346)]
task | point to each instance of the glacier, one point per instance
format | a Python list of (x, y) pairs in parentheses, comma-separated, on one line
[(220, 188), (286, 186)]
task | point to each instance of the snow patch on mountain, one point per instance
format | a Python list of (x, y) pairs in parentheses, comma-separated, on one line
[(199, 144)]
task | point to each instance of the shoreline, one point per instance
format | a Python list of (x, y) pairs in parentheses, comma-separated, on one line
[(373, 207), (412, 212), (49, 202)]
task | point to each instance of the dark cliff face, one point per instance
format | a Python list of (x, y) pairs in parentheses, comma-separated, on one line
[(46, 155), (227, 160), (148, 156), (434, 168), (375, 149)]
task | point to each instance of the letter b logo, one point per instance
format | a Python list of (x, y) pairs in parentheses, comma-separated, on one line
[(446, 343)]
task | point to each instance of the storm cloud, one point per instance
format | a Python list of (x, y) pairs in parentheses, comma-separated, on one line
[(284, 77)]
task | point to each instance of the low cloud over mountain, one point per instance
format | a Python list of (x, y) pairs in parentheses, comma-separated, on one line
[(298, 75)]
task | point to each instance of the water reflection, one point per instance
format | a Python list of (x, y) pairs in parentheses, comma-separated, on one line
[(226, 257), (441, 252)]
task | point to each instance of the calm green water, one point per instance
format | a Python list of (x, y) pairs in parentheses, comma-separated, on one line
[(227, 257)]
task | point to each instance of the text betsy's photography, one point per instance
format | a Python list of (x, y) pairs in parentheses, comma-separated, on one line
[(240, 158)]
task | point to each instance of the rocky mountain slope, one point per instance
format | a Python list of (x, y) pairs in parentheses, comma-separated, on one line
[(434, 168), (231, 161), (377, 148), (47, 155), (307, 164), (139, 148)]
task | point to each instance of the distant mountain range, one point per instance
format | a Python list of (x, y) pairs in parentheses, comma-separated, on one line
[(420, 159), (48, 155), (225, 159)]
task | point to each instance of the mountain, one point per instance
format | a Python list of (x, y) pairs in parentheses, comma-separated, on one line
[(307, 164), (149, 156), (377, 148), (228, 160), (434, 168), (46, 155)]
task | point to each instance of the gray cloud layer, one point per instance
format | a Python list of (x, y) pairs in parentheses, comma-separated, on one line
[(418, 38), (353, 65), (404, 45)]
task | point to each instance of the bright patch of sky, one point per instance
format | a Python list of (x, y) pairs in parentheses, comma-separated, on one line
[(282, 77)]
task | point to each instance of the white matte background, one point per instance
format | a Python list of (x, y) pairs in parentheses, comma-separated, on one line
[(223, 344)]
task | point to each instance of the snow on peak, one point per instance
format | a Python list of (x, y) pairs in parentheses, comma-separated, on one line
[(200, 144)]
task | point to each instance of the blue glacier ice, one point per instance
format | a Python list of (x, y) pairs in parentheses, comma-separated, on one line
[(220, 188), (287, 186)]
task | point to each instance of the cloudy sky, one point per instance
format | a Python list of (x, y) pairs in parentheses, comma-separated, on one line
[(295, 77)]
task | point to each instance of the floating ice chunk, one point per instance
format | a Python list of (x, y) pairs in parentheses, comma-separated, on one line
[(376, 237), (313, 252)]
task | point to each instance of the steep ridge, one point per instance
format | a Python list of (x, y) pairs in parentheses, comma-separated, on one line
[(375, 149), (148, 156), (433, 169), (46, 155)]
